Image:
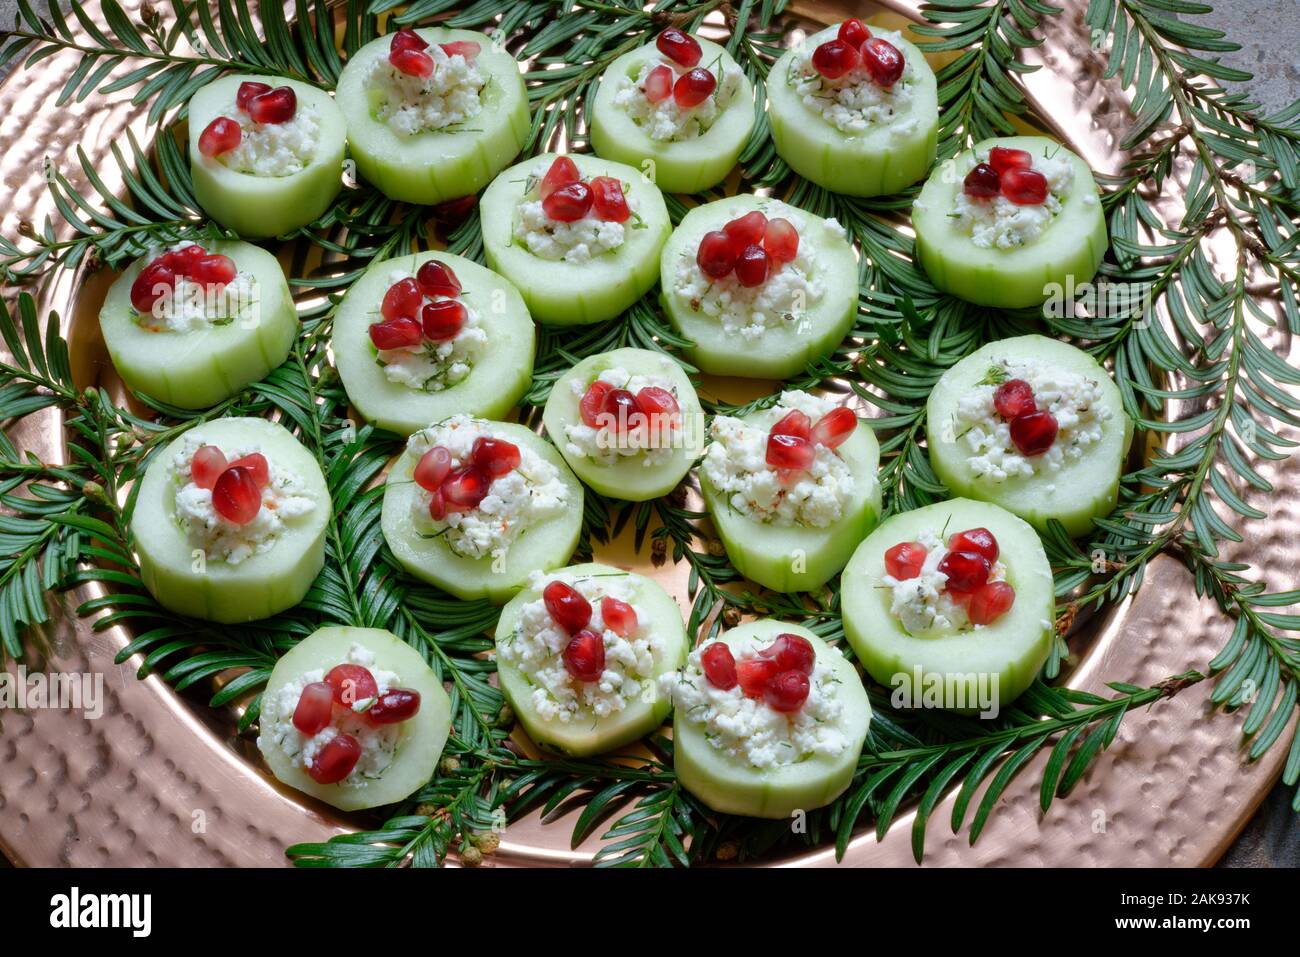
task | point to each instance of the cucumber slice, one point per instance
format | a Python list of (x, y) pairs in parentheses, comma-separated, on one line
[(564, 293), (1069, 250), (629, 478), (685, 166), (1083, 489), (1012, 649), (789, 558), (542, 547), (780, 351), (201, 367), (587, 733), (420, 739), (730, 785), (260, 206), (436, 165), (499, 377), (263, 584), (876, 162)]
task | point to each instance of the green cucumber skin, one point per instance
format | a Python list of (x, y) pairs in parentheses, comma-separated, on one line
[(541, 548), (433, 167), (780, 353), (260, 586), (877, 164), (1014, 647), (730, 787), (423, 736), (1072, 246), (494, 385), (198, 369), (259, 207), (559, 293), (1086, 489), (639, 718), (689, 166), (763, 552), (627, 480)]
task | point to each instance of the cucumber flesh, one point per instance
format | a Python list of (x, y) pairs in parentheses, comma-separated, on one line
[(1083, 489), (1012, 649), (263, 584), (201, 367), (657, 614), (498, 378), (1069, 250), (257, 207), (421, 738), (561, 292)]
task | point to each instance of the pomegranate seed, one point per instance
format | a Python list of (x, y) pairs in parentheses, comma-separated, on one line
[(432, 469), (966, 571), (747, 230), (462, 48), (236, 496), (215, 270), (716, 257), (654, 401), (351, 684), (834, 427), (854, 32), (454, 211), (566, 606), (1013, 398), (394, 706), (618, 616), (437, 506), (402, 299), (206, 465), (786, 692), (408, 39), (608, 199), (1002, 159), (496, 457), (412, 63), (563, 171), (220, 136), (181, 261), (781, 240), (584, 656), (443, 320), (990, 603), (679, 46), (789, 452), (883, 61), (401, 333), (257, 465), (693, 88), (618, 410), (275, 106), (982, 182), (752, 266), (659, 84), (335, 761), (569, 203), (719, 666), (1024, 187), (155, 282), (905, 560), (834, 58), (753, 674), (593, 401), (977, 540), (791, 652), (437, 279), (249, 89), (465, 488), (1033, 434), (315, 706), (793, 423)]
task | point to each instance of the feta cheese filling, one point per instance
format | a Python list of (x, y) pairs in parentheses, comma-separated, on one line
[(653, 438), (665, 121), (537, 644), (922, 604), (735, 463), (431, 366), (578, 241), (285, 499), (748, 729), (855, 103), (1001, 224), (273, 149), (189, 306), (524, 497), (410, 105)]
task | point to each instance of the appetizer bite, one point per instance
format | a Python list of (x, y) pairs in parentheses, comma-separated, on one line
[(475, 507), (762, 288), (1034, 425), (432, 114), (1009, 223), (769, 720), (419, 338), (266, 153), (679, 110), (355, 717), (854, 110), (580, 652), (628, 422), (230, 521), (957, 596), (792, 489), (579, 236), (195, 323)]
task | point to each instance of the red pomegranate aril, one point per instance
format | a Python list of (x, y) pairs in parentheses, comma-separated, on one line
[(1013, 398), (1002, 158), (883, 61), (220, 136), (791, 652), (716, 257), (464, 488), (394, 706), (432, 469), (653, 401), (752, 266), (789, 452), (747, 230), (618, 410), (781, 240), (496, 457), (562, 172), (982, 182), (608, 200), (834, 427), (314, 709), (787, 692), (659, 84), (155, 281), (966, 571), (181, 261), (977, 540), (679, 46), (568, 204), (567, 607), (351, 684), (719, 666), (236, 496), (335, 761), (437, 506), (1024, 187), (215, 270), (618, 616), (401, 333), (990, 603), (463, 48), (854, 32), (207, 463), (584, 656), (402, 299), (693, 88), (249, 89), (443, 319), (1033, 434), (408, 39), (257, 465), (274, 106), (834, 58), (437, 279), (753, 674), (412, 63), (793, 423), (593, 403), (905, 560)]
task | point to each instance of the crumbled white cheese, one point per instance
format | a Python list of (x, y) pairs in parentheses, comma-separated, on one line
[(922, 604), (189, 305), (652, 438), (577, 242), (855, 103), (665, 121), (1000, 223), (434, 366), (273, 149), (412, 104)]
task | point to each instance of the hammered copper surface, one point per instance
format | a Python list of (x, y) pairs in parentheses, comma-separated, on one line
[(161, 780)]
